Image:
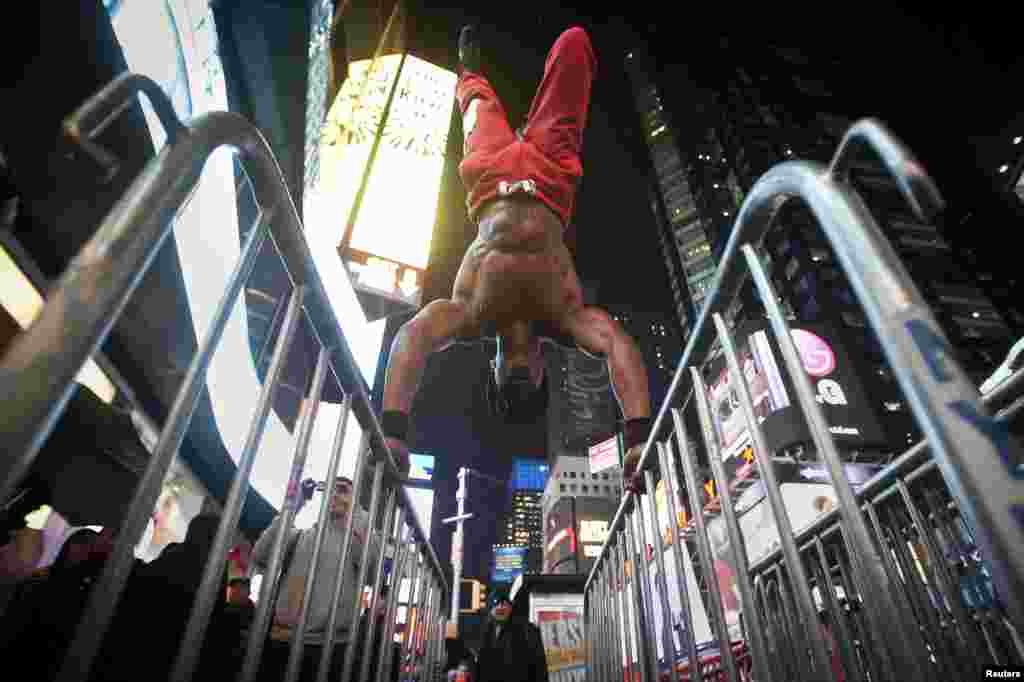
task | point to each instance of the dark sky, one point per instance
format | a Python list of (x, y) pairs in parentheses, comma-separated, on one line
[(942, 83)]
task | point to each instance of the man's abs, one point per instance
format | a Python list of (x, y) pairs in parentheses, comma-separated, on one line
[(515, 268)]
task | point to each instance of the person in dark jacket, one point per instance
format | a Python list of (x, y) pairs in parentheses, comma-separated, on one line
[(512, 648)]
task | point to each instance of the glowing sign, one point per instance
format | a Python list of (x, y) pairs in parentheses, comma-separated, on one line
[(593, 531), (396, 217), (422, 467)]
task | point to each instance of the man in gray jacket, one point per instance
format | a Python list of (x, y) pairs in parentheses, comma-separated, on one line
[(293, 584)]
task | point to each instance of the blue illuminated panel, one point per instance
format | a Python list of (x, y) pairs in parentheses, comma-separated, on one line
[(529, 474)]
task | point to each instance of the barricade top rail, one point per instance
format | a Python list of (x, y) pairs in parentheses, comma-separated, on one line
[(941, 397), (37, 373)]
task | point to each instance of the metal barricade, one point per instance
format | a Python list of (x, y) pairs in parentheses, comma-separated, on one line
[(916, 575), (37, 378)]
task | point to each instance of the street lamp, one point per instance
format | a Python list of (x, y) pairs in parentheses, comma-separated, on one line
[(457, 543)]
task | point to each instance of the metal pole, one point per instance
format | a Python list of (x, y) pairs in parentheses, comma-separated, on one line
[(384, 657), (378, 581), (272, 577), (209, 587), (624, 553), (889, 633), (659, 556), (666, 459), (407, 635), (460, 496), (794, 564), (350, 649), (634, 528), (737, 545), (105, 596), (358, 482), (707, 566)]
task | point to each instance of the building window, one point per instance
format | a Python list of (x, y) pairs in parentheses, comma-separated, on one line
[(572, 488), (604, 477), (572, 474), (562, 488), (593, 476), (607, 490), (583, 489)]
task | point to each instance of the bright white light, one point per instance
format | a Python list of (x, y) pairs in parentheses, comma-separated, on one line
[(725, 213), (1017, 139), (1004, 168), (716, 185), (976, 315)]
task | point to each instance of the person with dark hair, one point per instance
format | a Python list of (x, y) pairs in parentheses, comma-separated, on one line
[(517, 280), (512, 646)]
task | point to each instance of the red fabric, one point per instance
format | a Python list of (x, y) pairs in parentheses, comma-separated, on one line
[(549, 153)]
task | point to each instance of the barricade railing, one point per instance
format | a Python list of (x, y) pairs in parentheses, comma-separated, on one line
[(37, 379), (878, 588)]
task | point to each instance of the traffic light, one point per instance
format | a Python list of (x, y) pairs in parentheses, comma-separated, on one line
[(480, 597)]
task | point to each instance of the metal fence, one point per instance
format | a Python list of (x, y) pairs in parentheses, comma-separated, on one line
[(37, 378), (893, 583)]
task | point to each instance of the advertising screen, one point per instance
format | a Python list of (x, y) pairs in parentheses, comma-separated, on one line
[(593, 516), (560, 537), (529, 474), (422, 467), (561, 631), (509, 564), (604, 455)]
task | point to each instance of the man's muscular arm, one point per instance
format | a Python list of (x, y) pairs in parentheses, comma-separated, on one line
[(428, 332)]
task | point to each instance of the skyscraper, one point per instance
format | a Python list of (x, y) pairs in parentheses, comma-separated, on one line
[(521, 525), (752, 111)]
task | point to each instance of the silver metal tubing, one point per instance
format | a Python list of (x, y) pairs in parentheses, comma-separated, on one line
[(642, 587), (323, 518), (867, 563), (210, 585), (364, 559), (272, 577), (793, 562), (737, 545), (107, 594), (628, 621), (693, 490), (618, 616), (402, 552), (666, 459), (837, 619), (378, 581), (344, 564), (669, 645)]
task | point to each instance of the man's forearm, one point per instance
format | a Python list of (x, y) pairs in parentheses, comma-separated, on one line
[(629, 377), (408, 358)]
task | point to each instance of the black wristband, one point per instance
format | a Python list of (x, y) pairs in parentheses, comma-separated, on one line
[(395, 424), (635, 432)]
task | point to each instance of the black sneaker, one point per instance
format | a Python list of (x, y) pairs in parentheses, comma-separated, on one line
[(469, 49)]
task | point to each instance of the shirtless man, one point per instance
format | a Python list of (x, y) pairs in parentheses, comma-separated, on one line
[(517, 273)]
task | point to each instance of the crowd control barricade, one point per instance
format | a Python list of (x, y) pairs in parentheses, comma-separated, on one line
[(913, 573), (37, 377)]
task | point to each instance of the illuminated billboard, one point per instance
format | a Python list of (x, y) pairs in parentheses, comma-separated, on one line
[(421, 467), (509, 564), (389, 241), (529, 474), (560, 537)]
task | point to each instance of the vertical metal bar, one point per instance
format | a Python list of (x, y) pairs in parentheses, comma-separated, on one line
[(798, 634), (928, 616), (421, 608), (413, 578), (299, 634), (659, 557), (737, 545), (963, 623), (612, 579), (358, 482), (888, 633), (689, 460), (416, 600), (772, 645), (852, 589), (387, 641), (634, 531), (840, 633), (426, 640), (106, 595), (594, 632), (209, 587), (378, 579), (265, 609), (352, 617), (666, 459), (790, 554), (621, 555)]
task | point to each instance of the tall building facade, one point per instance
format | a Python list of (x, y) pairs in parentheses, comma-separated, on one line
[(774, 106), (521, 525)]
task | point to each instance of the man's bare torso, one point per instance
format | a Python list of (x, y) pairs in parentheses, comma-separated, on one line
[(518, 268)]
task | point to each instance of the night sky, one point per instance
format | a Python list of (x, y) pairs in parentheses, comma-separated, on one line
[(948, 85)]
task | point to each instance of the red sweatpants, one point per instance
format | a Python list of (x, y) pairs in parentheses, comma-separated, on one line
[(547, 153)]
